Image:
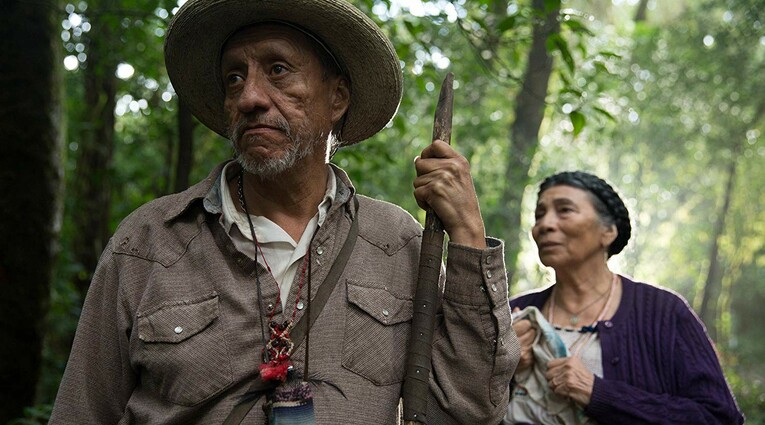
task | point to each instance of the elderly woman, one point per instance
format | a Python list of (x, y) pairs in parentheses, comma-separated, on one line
[(635, 353)]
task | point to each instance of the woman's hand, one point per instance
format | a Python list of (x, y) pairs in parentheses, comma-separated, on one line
[(569, 377), (526, 336)]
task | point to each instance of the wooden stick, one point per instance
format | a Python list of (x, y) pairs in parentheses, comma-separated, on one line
[(418, 361)]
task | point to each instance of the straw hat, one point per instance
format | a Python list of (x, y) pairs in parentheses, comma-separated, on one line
[(198, 31)]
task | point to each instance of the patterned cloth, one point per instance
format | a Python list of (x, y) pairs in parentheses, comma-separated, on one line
[(532, 400), (291, 404)]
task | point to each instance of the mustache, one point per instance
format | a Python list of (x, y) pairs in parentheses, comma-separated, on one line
[(258, 119)]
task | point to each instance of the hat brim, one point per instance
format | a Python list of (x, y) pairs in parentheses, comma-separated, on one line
[(196, 35)]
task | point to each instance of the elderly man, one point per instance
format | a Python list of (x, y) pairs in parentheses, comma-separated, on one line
[(194, 312)]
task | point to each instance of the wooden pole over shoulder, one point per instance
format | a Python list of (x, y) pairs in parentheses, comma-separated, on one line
[(418, 361)]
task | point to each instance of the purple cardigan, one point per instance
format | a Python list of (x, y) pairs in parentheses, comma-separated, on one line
[(659, 366)]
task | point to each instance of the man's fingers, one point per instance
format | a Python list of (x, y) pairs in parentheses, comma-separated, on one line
[(438, 149)]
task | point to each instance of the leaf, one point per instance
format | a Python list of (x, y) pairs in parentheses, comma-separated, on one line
[(604, 113), (412, 30), (578, 120), (566, 81), (551, 5), (571, 90), (506, 24), (577, 27), (403, 50), (601, 67), (609, 54), (556, 42)]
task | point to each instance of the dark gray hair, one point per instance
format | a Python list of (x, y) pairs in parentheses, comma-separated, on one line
[(609, 206)]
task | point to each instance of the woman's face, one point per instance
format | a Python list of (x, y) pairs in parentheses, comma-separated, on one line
[(567, 229)]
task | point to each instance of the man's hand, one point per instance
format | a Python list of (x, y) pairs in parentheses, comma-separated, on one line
[(444, 184)]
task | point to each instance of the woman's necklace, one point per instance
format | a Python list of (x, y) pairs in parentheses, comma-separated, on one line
[(574, 316), (574, 319), (278, 347), (578, 343)]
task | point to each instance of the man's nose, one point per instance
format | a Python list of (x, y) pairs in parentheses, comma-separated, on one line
[(255, 95)]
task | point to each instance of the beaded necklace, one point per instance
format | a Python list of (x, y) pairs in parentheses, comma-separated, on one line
[(278, 347)]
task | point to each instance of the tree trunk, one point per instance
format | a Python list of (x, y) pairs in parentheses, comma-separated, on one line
[(713, 283), (641, 13), (29, 209), (185, 147), (524, 131), (92, 180)]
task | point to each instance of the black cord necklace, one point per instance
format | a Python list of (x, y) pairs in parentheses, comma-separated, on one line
[(243, 203), (278, 347)]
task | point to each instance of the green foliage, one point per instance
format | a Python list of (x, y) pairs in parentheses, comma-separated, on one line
[(35, 415), (750, 394)]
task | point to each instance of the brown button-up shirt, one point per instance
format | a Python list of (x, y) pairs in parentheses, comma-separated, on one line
[(170, 332)]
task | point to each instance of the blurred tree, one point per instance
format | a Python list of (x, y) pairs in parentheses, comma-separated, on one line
[(708, 311), (642, 10), (91, 185), (530, 104), (29, 210), (185, 147), (138, 166)]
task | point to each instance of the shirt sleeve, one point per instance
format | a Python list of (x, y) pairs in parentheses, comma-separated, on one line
[(475, 351), (98, 380), (699, 395)]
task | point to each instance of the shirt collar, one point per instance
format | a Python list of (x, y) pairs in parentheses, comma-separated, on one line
[(200, 191), (220, 200), (208, 192)]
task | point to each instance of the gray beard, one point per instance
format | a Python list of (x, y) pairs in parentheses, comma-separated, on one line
[(301, 147)]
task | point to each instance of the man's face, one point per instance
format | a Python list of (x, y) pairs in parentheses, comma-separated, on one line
[(280, 103)]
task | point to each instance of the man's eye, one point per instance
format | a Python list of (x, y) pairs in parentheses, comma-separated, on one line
[(278, 69), (232, 79)]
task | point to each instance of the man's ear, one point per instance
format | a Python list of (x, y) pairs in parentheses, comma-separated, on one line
[(341, 99)]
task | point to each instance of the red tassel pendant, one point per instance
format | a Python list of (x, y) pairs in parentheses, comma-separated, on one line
[(275, 370), (279, 349)]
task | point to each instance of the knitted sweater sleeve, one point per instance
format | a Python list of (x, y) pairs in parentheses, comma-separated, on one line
[(690, 387)]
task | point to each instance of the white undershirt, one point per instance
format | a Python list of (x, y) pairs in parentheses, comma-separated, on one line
[(282, 253), (591, 355)]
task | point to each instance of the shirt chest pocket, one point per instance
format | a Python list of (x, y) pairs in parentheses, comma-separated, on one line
[(376, 333), (183, 351)]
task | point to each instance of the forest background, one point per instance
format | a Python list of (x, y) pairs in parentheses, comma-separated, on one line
[(665, 100)]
